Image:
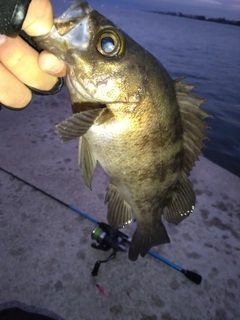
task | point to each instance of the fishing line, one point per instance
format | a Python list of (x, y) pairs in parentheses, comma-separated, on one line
[(194, 277)]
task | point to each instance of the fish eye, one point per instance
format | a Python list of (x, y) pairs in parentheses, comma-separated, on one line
[(110, 43), (107, 44)]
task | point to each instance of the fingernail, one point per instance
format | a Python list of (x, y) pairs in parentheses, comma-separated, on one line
[(2, 38), (53, 65)]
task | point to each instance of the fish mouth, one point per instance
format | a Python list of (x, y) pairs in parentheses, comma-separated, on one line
[(70, 27), (72, 16)]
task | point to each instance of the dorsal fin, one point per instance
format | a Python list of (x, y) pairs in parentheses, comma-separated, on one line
[(192, 123)]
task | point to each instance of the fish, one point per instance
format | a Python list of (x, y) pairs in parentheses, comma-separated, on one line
[(144, 128)]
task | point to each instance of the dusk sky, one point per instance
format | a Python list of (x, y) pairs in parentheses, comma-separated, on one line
[(217, 8), (229, 9), (224, 7)]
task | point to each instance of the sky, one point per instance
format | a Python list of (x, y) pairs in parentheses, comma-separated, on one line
[(228, 9), (219, 8)]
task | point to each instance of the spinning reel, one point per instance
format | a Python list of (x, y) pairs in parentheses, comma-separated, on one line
[(108, 238)]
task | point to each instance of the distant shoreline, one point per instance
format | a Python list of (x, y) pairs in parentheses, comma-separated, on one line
[(198, 17)]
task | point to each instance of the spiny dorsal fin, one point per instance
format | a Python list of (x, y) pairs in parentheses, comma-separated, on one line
[(182, 203), (183, 87), (119, 211), (86, 161), (192, 123)]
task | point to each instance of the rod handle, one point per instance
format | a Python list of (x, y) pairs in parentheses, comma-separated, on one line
[(193, 276)]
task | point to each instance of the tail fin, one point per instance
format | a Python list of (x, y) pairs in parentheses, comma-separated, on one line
[(144, 239)]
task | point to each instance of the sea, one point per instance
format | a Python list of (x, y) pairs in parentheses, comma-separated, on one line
[(206, 53)]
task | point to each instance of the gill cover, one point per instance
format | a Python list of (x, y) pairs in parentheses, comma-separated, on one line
[(106, 72)]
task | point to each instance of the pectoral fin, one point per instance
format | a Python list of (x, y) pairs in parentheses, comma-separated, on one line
[(86, 161), (182, 204), (119, 211), (77, 125), (105, 116)]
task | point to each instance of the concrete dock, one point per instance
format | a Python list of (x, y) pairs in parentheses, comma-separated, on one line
[(45, 248)]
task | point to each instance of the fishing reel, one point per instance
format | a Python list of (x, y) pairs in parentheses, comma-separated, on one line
[(108, 238)]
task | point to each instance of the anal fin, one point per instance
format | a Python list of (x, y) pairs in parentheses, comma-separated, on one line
[(119, 211), (145, 238), (182, 203), (86, 161)]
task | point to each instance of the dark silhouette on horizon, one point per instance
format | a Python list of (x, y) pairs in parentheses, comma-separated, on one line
[(199, 17)]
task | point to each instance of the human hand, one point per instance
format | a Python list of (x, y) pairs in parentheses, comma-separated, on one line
[(20, 64)]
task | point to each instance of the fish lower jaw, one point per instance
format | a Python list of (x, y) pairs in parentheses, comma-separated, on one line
[(77, 88)]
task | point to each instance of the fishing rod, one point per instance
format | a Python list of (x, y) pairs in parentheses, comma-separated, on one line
[(109, 238)]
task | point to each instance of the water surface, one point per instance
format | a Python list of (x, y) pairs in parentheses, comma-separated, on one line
[(207, 54)]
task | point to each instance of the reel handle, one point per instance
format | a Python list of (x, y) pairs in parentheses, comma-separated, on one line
[(96, 268)]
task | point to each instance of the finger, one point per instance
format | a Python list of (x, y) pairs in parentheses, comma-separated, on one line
[(13, 92), (39, 19), (22, 60), (51, 64), (3, 38)]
